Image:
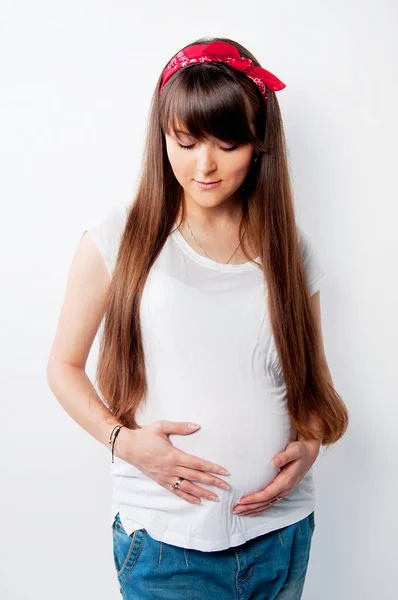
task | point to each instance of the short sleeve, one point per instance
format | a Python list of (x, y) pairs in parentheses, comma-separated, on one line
[(106, 233), (313, 267)]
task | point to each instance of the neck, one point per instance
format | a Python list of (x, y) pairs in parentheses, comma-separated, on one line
[(228, 213)]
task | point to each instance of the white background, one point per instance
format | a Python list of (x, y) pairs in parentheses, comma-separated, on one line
[(76, 81)]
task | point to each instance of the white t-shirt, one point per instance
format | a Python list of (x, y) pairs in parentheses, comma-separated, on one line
[(210, 359)]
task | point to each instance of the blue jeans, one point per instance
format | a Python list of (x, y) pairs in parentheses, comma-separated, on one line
[(268, 567)]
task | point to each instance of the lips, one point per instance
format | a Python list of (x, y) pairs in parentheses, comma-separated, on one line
[(210, 185), (207, 182)]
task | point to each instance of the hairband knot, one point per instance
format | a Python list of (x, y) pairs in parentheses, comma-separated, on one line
[(226, 53)]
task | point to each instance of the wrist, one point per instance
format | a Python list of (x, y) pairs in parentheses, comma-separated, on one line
[(122, 443), (313, 446)]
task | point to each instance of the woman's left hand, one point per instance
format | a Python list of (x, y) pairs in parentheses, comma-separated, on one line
[(297, 458)]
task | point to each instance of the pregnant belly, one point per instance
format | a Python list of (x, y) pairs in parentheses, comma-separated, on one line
[(244, 445)]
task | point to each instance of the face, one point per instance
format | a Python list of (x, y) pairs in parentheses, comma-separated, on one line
[(206, 161)]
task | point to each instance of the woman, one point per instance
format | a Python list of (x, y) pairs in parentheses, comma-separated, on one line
[(208, 293)]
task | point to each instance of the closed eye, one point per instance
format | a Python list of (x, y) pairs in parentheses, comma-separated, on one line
[(224, 149)]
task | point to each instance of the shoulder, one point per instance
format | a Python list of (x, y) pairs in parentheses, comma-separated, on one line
[(112, 220), (304, 239), (106, 231), (312, 262)]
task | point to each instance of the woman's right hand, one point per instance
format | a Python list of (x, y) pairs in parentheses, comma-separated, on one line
[(150, 450)]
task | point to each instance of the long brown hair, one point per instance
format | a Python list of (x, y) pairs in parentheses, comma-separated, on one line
[(213, 99)]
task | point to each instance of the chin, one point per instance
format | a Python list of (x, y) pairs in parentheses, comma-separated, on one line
[(209, 197)]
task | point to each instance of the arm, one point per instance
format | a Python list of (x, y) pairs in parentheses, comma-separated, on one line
[(81, 314)]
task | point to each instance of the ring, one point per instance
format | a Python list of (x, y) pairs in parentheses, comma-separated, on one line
[(177, 483), (274, 501)]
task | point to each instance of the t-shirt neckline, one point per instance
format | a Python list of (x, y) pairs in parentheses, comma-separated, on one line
[(209, 262)]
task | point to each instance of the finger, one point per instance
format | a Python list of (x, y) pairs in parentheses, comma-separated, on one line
[(201, 477), (254, 512), (241, 509), (198, 464), (263, 496), (253, 505), (184, 495), (294, 451), (247, 513), (274, 489), (245, 509), (258, 509), (258, 512), (190, 488), (177, 491)]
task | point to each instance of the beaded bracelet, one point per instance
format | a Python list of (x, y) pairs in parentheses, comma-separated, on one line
[(118, 427)]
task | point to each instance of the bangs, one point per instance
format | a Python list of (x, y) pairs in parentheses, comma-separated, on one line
[(207, 101)]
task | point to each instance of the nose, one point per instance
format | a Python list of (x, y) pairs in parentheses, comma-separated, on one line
[(206, 162)]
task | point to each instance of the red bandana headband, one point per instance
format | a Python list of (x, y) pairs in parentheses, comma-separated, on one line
[(222, 52)]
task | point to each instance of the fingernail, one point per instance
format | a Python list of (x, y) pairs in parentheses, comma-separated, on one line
[(193, 426), (223, 472), (275, 463), (214, 498)]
